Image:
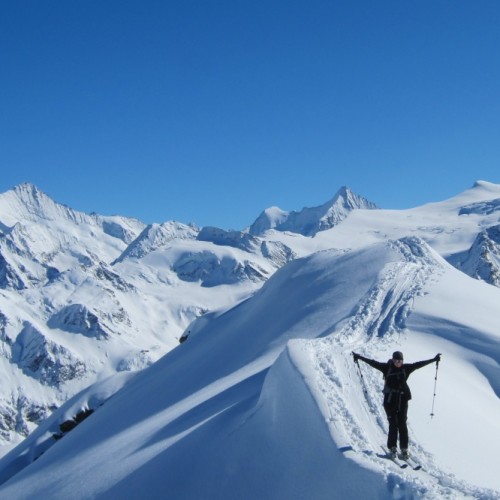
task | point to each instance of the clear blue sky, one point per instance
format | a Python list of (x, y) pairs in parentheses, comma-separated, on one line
[(211, 111)]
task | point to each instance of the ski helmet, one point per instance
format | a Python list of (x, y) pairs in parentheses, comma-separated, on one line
[(397, 355)]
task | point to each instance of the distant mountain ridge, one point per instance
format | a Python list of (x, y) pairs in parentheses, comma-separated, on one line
[(310, 221)]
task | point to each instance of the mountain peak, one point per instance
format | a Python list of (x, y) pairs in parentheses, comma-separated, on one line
[(346, 198), (269, 219), (31, 195), (27, 202), (487, 185), (310, 221)]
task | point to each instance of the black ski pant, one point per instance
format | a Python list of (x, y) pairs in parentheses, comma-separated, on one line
[(397, 415)]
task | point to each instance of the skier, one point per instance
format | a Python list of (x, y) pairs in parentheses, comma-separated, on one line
[(396, 396)]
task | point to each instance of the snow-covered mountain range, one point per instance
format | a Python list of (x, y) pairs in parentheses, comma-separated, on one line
[(262, 399), (84, 296)]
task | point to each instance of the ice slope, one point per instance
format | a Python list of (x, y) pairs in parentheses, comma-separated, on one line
[(265, 401)]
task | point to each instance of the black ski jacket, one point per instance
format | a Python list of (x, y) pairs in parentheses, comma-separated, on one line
[(396, 390)]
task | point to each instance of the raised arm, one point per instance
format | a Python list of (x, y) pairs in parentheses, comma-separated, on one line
[(420, 364), (374, 364)]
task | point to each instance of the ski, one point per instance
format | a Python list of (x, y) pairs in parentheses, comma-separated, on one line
[(414, 465), (400, 463)]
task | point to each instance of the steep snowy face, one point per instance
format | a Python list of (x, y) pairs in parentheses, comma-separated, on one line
[(156, 237), (27, 203), (309, 221), (43, 234), (482, 260)]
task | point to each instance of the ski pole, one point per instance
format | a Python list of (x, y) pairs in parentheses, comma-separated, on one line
[(435, 384), (361, 377)]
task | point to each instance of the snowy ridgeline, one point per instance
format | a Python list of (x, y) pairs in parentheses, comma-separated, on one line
[(262, 398), (265, 400)]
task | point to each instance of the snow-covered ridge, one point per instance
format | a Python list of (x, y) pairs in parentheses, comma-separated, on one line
[(27, 203), (158, 236), (270, 385), (83, 297)]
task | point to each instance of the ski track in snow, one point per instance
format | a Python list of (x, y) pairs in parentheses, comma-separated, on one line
[(352, 403)]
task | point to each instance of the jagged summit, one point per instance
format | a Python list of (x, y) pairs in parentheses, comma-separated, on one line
[(27, 205), (310, 221), (27, 202)]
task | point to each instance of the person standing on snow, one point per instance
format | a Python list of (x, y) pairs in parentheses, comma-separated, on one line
[(396, 396)]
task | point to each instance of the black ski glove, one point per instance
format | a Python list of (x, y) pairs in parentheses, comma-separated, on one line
[(355, 356), (437, 359)]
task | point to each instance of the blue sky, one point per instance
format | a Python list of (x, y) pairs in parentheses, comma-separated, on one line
[(211, 111)]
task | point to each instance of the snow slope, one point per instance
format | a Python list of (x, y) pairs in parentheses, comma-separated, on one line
[(265, 401), (85, 296)]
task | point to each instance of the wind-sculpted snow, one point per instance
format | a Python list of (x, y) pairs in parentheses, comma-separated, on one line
[(384, 307)]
